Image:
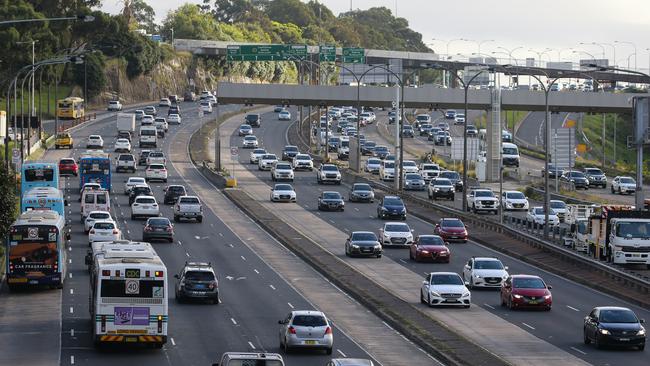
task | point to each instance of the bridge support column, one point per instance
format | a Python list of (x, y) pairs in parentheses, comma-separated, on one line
[(493, 138)]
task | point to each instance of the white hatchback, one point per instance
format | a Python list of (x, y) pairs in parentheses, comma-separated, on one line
[(267, 161), (144, 206), (104, 230), (255, 155), (96, 216), (174, 119), (132, 182), (396, 233), (122, 145), (95, 142), (250, 142), (155, 172)]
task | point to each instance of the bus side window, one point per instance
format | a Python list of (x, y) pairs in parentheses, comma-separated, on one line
[(90, 198)]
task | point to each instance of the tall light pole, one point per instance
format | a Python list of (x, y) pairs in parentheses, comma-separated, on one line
[(81, 17), (559, 52), (540, 54), (595, 44), (636, 66), (33, 43), (510, 51), (480, 43)]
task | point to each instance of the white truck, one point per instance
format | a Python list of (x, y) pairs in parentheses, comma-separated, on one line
[(188, 207), (126, 122), (621, 234), (577, 216)]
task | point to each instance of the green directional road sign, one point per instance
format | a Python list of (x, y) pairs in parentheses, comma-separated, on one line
[(354, 55), (272, 52), (327, 53)]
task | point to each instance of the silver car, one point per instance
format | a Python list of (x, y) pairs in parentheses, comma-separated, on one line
[(350, 362), (306, 329)]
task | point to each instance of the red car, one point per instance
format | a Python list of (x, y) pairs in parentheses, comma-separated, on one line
[(429, 248), (68, 166), (526, 291), (451, 229)]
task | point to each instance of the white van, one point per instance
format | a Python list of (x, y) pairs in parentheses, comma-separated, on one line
[(94, 200), (148, 136), (510, 154)]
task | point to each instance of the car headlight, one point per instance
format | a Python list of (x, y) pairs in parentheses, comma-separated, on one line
[(433, 293), (477, 276), (383, 209), (466, 294), (403, 210), (436, 189), (640, 332), (546, 297), (517, 296), (377, 246), (355, 246), (604, 331), (424, 251)]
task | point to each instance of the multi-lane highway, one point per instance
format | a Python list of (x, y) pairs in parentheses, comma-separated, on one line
[(255, 290), (553, 337)]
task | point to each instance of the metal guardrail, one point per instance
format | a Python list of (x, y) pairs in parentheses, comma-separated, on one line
[(528, 236)]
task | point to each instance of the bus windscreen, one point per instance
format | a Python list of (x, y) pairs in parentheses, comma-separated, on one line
[(39, 175)]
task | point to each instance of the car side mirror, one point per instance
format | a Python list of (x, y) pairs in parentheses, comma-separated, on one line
[(642, 321), (125, 181), (446, 243), (176, 276), (467, 283), (412, 230), (68, 236), (88, 259), (506, 268), (66, 203), (549, 287), (280, 322)]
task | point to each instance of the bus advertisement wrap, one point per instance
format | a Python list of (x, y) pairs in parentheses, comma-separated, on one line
[(33, 255), (131, 316)]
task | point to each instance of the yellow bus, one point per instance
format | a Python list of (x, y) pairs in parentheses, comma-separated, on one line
[(70, 108)]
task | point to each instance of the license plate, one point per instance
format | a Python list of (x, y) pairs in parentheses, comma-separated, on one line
[(131, 339), (533, 302), (453, 237), (159, 229), (636, 255), (104, 234), (624, 339), (310, 342), (199, 293), (33, 282)]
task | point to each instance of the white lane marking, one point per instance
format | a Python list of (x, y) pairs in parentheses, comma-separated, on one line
[(71, 310), (179, 243), (197, 237), (346, 229), (233, 321), (529, 326), (71, 291), (70, 275), (187, 254), (256, 271), (71, 360), (172, 340), (579, 351), (356, 209), (332, 221), (71, 332), (220, 234), (242, 257), (318, 213), (69, 249), (251, 344), (572, 308), (128, 231), (341, 352), (291, 306), (489, 306), (402, 260), (70, 260)]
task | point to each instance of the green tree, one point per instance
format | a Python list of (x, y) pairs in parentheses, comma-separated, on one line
[(290, 11), (189, 21), (144, 15), (7, 200), (93, 70)]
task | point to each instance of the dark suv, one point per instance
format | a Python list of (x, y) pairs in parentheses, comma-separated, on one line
[(172, 193), (596, 177), (142, 159), (139, 190), (253, 119), (391, 206), (290, 152), (197, 280)]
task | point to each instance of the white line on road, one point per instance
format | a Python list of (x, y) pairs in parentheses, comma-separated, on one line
[(242, 257), (341, 352), (256, 271), (71, 291), (179, 243), (271, 286), (173, 342), (70, 274), (70, 260), (402, 260), (356, 209), (71, 332), (579, 351), (220, 234), (291, 306), (251, 344), (529, 326), (233, 321), (572, 308), (71, 310), (187, 254), (489, 306), (332, 221), (128, 231), (71, 360)]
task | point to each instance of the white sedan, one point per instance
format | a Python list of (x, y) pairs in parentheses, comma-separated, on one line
[(283, 193), (250, 142), (122, 145), (95, 142), (104, 230), (396, 233), (284, 116), (372, 165), (132, 182), (95, 216), (514, 200), (164, 102), (206, 107), (409, 166), (303, 161), (267, 161), (174, 119), (144, 206), (536, 215), (448, 283), (256, 155), (155, 172)]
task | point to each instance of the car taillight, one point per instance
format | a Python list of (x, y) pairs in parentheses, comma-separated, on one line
[(292, 330), (92, 231), (147, 228), (169, 229), (212, 285), (328, 330), (115, 231), (178, 207), (158, 273)]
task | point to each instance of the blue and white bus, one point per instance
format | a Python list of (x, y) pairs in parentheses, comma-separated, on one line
[(43, 198), (36, 250), (38, 174), (95, 167)]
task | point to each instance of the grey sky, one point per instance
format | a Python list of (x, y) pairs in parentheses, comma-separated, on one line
[(556, 24)]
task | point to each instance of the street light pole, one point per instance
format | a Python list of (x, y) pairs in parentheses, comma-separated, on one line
[(85, 18)]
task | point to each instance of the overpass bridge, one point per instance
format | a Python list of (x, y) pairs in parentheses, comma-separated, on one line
[(405, 60), (422, 97)]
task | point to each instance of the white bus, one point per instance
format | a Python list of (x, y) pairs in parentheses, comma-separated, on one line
[(128, 296)]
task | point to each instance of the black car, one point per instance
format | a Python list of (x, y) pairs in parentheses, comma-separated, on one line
[(172, 192), (363, 243), (174, 109), (596, 177), (289, 152), (407, 131), (142, 159), (391, 206), (331, 201), (197, 280), (158, 228), (333, 143), (278, 108), (578, 179), (553, 171), (380, 152), (253, 119), (139, 190), (454, 177), (361, 192), (124, 135), (614, 326), (368, 147)]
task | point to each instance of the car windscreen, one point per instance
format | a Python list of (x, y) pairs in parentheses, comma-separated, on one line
[(361, 187), (488, 265), (252, 117), (450, 175), (431, 240), (413, 176), (100, 215), (199, 276), (515, 195), (345, 143), (446, 279), (452, 223), (269, 157), (330, 168), (250, 138), (374, 161), (283, 187), (290, 148), (189, 200), (309, 321), (397, 228), (282, 167), (332, 196), (389, 165), (510, 151), (126, 158), (627, 180), (393, 202), (104, 226), (156, 166), (303, 157), (364, 237), (593, 171), (631, 229), (618, 316), (175, 189), (408, 163), (483, 194), (557, 204), (145, 200), (528, 283), (67, 161), (159, 222)]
